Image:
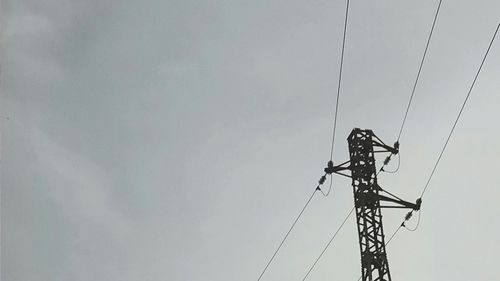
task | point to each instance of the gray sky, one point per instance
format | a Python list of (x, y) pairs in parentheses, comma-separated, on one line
[(177, 140)]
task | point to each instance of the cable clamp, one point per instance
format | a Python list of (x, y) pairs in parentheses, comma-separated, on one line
[(396, 147), (418, 203), (329, 168)]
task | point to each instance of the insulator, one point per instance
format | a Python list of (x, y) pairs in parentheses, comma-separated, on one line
[(387, 159), (408, 216), (322, 180)]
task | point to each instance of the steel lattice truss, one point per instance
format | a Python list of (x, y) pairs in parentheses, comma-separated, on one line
[(368, 196), (374, 265)]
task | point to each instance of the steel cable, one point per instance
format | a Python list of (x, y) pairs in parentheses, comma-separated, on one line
[(286, 235), (340, 79), (419, 69), (460, 112), (328, 244)]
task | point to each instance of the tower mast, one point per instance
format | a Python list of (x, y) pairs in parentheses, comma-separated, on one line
[(368, 200)]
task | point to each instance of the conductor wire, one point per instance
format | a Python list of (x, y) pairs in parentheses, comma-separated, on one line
[(340, 79), (460, 112), (286, 235), (328, 245), (419, 70)]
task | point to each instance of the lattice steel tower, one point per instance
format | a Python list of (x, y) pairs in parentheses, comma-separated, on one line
[(368, 196)]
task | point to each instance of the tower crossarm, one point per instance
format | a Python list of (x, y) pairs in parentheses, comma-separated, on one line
[(338, 169), (398, 203)]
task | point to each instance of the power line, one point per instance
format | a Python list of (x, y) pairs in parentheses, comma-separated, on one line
[(393, 234), (286, 235), (340, 79), (331, 151), (409, 215), (460, 112), (318, 188), (419, 70), (328, 244)]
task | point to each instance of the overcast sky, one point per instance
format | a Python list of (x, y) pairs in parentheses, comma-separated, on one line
[(178, 140)]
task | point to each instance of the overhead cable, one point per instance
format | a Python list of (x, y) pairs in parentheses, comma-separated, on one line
[(340, 79), (409, 215), (419, 70), (328, 245), (287, 233), (460, 112)]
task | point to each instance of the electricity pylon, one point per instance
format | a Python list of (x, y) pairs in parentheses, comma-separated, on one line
[(368, 196)]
